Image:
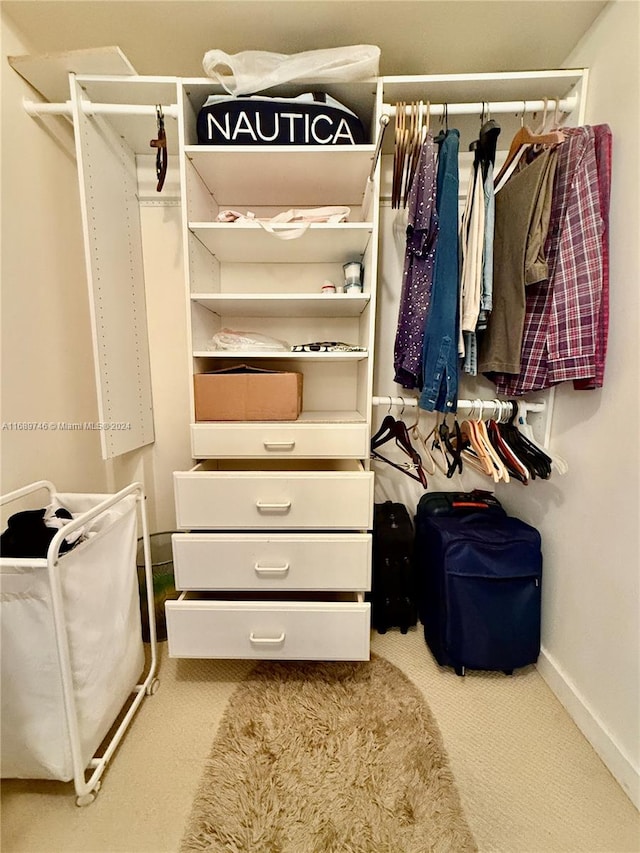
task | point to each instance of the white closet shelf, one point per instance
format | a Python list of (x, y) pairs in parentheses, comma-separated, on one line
[(342, 417), (490, 86), (288, 356), (305, 417), (251, 243), (298, 176), (283, 304)]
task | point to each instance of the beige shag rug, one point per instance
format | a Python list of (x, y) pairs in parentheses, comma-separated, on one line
[(328, 758)]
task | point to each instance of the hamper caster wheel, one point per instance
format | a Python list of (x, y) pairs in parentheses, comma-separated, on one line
[(153, 687), (87, 799)]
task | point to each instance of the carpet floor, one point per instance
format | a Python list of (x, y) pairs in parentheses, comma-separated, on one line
[(528, 780)]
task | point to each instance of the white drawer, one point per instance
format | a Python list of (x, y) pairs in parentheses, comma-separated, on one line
[(274, 630), (279, 441), (315, 495), (331, 561)]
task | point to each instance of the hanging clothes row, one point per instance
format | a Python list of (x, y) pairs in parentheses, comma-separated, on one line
[(517, 287)]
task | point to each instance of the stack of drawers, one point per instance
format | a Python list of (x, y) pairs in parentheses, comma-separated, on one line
[(276, 562)]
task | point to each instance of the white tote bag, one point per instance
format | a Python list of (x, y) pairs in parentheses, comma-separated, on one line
[(299, 220)]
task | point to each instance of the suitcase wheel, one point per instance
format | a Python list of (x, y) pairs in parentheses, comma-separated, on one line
[(459, 670), (508, 671), (404, 629)]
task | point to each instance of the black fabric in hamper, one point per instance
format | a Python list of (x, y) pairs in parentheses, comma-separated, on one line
[(309, 119)]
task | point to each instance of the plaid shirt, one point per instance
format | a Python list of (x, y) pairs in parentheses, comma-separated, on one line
[(565, 324), (603, 140)]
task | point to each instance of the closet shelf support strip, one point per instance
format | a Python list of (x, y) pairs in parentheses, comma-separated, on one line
[(564, 105)]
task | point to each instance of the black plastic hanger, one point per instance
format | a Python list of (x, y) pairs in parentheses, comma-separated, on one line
[(160, 144), (444, 119), (537, 462), (487, 143), (453, 451), (385, 431), (393, 430), (512, 462)]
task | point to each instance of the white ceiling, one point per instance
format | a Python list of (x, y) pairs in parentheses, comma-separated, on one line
[(170, 37)]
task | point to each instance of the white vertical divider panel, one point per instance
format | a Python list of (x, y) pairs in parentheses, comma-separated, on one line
[(364, 394), (113, 254), (196, 259)]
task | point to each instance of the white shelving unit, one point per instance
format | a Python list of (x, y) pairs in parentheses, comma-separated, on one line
[(270, 589)]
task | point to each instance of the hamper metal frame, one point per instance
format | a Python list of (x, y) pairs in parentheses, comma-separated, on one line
[(87, 788)]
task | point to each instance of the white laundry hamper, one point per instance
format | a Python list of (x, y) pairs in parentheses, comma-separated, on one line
[(71, 643)]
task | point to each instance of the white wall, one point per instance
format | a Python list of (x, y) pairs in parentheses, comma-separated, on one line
[(47, 354), (589, 519), (592, 587), (47, 363)]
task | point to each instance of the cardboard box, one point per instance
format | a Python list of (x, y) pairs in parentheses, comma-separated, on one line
[(246, 393)]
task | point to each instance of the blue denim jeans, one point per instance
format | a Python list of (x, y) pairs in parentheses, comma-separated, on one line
[(440, 347)]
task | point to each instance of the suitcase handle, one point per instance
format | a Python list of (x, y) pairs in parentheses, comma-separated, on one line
[(477, 504)]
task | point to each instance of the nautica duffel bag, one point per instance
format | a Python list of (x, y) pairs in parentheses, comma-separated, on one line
[(309, 119)]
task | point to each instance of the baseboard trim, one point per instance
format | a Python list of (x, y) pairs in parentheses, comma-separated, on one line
[(618, 763)]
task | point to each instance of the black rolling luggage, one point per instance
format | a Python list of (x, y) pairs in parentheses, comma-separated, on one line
[(479, 578), (393, 593)]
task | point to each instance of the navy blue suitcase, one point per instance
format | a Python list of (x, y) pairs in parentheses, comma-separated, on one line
[(479, 577)]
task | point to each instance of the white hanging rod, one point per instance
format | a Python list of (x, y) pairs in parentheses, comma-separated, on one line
[(469, 405), (36, 108), (564, 105)]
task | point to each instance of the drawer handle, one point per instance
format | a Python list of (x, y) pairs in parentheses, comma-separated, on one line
[(271, 570), (283, 507), (266, 641), (279, 445)]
